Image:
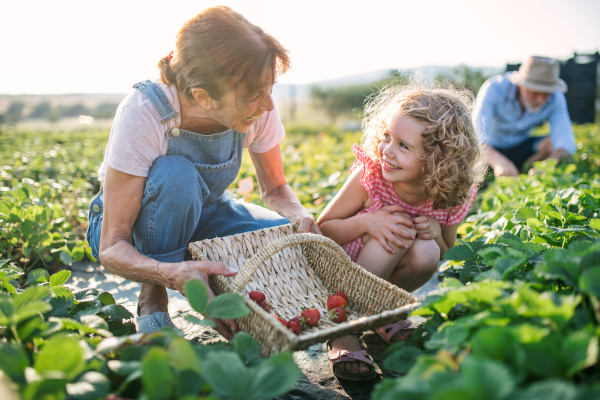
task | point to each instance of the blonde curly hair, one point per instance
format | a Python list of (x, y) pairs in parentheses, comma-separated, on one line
[(452, 154)]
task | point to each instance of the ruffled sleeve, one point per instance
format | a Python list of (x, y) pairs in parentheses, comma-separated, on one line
[(457, 213), (371, 175)]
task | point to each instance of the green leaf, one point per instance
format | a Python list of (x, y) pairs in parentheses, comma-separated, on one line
[(156, 374), (198, 321), (486, 379), (37, 276), (182, 356), (274, 377), (218, 369), (550, 389), (35, 293), (106, 298), (589, 281), (60, 278), (491, 274), (403, 359), (116, 312), (506, 264), (534, 223), (197, 294), (595, 223), (124, 368), (13, 361), (228, 305), (525, 213), (61, 353), (580, 350), (246, 346), (451, 283), (90, 386), (459, 253), (93, 321), (66, 258)]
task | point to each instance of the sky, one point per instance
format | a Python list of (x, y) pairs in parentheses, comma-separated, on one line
[(52, 47)]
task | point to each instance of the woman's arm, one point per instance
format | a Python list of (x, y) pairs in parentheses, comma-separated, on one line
[(340, 222), (277, 194)]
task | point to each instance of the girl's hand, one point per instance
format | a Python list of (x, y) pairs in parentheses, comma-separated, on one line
[(427, 227), (306, 222), (389, 224)]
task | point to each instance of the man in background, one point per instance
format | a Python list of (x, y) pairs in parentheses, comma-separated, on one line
[(510, 105)]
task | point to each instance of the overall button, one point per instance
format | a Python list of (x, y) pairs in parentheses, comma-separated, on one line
[(96, 208), (175, 132)]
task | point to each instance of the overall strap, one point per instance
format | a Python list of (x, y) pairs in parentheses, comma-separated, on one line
[(158, 99)]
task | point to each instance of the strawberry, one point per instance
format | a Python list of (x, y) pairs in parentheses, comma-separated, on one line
[(294, 327), (265, 305), (310, 316), (256, 296), (278, 318), (341, 294), (336, 301), (338, 315), (295, 319)]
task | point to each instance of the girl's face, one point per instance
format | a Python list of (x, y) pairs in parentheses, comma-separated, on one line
[(240, 114), (401, 150)]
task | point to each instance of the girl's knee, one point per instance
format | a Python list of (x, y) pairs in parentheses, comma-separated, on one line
[(423, 256)]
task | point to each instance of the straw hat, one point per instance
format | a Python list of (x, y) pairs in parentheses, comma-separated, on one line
[(540, 74)]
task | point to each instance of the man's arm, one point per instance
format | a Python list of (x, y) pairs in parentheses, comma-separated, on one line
[(483, 114), (561, 129)]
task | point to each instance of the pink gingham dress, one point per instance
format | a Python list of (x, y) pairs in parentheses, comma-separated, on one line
[(382, 193)]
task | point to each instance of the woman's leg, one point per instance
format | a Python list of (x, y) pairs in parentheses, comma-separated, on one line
[(171, 207)]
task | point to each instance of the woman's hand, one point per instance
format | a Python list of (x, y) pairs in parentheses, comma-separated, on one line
[(427, 227), (306, 222), (179, 273), (389, 224)]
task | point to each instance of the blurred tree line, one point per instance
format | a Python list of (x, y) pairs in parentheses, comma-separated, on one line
[(44, 110), (348, 100)]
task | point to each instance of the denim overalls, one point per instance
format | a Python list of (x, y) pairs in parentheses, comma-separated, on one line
[(185, 197)]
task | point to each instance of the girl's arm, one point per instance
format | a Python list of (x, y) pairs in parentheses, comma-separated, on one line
[(447, 238), (340, 222), (428, 228)]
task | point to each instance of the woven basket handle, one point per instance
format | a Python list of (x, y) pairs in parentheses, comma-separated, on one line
[(258, 259)]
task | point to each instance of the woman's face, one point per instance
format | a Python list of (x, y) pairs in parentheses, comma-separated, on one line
[(240, 113)]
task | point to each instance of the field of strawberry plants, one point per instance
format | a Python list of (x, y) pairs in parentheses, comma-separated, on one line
[(517, 316)]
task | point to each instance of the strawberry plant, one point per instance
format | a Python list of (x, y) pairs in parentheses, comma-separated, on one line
[(517, 315), (56, 343)]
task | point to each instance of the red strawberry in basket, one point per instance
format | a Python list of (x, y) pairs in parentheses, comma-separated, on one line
[(341, 294), (296, 319), (336, 301), (278, 318), (256, 296), (265, 305), (338, 315), (310, 316), (294, 327)]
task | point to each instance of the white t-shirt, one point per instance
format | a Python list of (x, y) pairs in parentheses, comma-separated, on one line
[(137, 137)]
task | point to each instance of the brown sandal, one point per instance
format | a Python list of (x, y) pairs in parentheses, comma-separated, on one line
[(387, 332), (336, 356)]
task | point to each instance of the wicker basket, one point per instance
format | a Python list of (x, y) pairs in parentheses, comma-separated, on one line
[(298, 270)]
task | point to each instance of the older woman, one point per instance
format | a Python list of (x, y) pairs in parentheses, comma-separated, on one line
[(176, 146)]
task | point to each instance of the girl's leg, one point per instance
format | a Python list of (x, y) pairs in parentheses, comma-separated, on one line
[(417, 266), (375, 259)]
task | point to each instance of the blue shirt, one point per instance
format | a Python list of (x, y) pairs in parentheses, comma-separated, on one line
[(501, 122)]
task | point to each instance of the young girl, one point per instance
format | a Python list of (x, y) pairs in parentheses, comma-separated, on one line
[(411, 185)]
